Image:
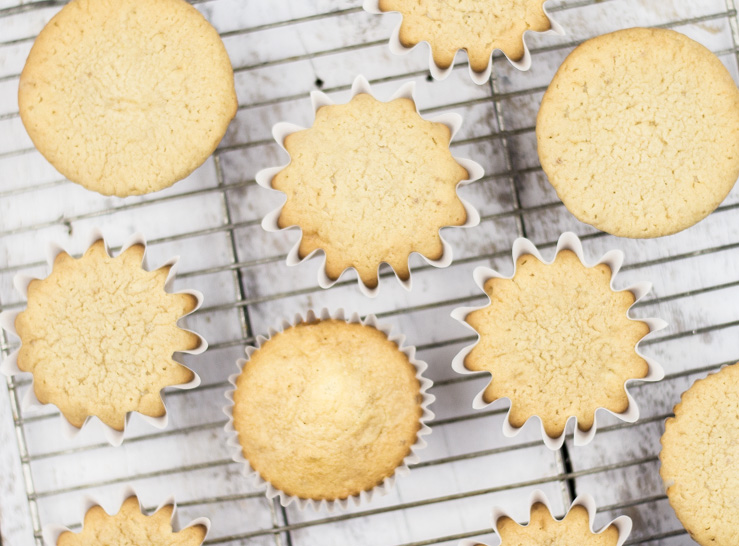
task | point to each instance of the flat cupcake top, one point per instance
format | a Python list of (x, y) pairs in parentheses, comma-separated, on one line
[(98, 336), (557, 342), (700, 447), (130, 527), (544, 530), (477, 26), (371, 182), (127, 96), (327, 410), (639, 132)]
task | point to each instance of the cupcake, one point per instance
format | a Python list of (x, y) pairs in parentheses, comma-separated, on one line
[(558, 341), (98, 336), (129, 526), (575, 528), (127, 97), (328, 409), (369, 183), (639, 132), (699, 459), (475, 26)]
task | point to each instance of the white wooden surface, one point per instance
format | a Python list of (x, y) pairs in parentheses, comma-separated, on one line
[(280, 49)]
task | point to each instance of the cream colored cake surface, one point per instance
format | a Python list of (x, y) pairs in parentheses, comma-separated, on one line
[(639, 132), (544, 530), (127, 96), (98, 336), (477, 26), (371, 182), (129, 527), (327, 410), (557, 342), (700, 451)]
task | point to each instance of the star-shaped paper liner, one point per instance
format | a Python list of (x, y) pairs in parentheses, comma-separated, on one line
[(613, 259), (576, 527), (161, 524), (271, 222), (189, 380), (384, 487), (439, 73)]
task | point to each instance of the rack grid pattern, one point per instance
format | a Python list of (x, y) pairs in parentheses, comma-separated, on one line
[(282, 50)]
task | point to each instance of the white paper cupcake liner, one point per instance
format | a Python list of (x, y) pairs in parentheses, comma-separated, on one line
[(281, 131), (613, 259), (9, 366), (51, 533), (438, 73), (623, 523), (388, 483)]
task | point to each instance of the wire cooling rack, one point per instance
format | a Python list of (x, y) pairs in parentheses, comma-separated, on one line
[(282, 50)]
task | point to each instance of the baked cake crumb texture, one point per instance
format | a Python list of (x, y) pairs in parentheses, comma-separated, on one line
[(126, 97), (544, 530), (129, 527), (639, 132), (327, 410), (99, 333), (371, 182), (700, 459), (477, 26), (557, 341)]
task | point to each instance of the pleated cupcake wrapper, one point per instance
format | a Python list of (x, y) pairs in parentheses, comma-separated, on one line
[(613, 259), (51, 533), (282, 130), (623, 523), (9, 367), (438, 73), (388, 483)]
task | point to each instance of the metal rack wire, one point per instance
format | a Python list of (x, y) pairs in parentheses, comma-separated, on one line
[(469, 465)]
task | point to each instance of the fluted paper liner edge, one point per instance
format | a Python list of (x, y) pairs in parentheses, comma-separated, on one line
[(282, 130), (388, 483), (9, 366), (613, 259), (622, 523), (50, 533), (480, 78)]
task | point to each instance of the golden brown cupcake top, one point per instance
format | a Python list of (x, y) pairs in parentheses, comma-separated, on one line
[(639, 132), (371, 182), (557, 341), (130, 527), (477, 26), (326, 410), (127, 97), (544, 530), (98, 336), (699, 459)]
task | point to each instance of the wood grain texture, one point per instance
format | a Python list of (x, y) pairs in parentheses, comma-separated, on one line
[(15, 519), (293, 47)]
